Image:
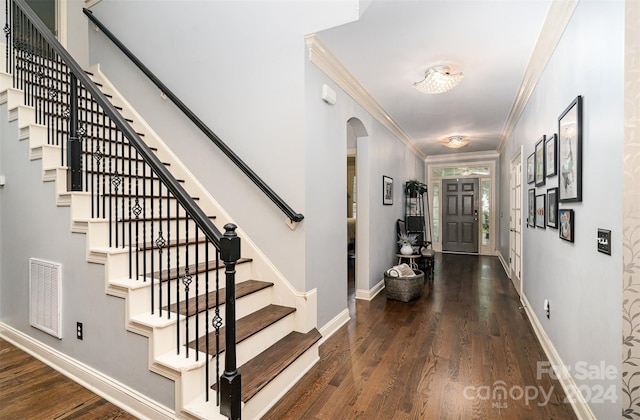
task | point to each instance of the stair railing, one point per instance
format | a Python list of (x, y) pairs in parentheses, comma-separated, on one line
[(293, 216), (153, 223)]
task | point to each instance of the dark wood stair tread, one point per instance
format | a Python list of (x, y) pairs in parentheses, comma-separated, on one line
[(245, 327), (259, 371), (242, 289), (175, 273)]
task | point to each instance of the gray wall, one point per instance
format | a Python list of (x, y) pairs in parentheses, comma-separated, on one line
[(583, 286), (243, 68), (378, 154), (32, 226)]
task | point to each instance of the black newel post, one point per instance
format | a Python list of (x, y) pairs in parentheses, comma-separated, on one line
[(230, 381), (74, 145)]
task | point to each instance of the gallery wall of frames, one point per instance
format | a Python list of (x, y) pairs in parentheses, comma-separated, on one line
[(554, 172)]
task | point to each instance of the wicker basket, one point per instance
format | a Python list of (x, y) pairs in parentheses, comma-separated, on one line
[(404, 288)]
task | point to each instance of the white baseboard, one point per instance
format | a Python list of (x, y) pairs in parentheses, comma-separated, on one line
[(371, 293), (334, 325), (578, 403), (108, 388), (505, 266)]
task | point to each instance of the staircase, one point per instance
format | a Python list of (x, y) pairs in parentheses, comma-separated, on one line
[(158, 233)]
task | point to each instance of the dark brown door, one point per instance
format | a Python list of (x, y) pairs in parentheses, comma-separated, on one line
[(460, 215)]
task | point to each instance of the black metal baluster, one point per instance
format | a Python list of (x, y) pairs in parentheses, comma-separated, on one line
[(130, 213), (197, 312), (122, 198), (144, 225), (186, 281), (103, 167), (168, 205), (206, 318), (217, 324), (7, 36), (150, 217), (160, 238), (137, 210), (177, 279), (74, 147), (110, 170)]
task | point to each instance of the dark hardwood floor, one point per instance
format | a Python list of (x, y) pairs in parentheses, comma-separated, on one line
[(464, 351), (29, 389)]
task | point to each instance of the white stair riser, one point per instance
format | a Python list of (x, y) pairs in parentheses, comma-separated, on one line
[(175, 231)]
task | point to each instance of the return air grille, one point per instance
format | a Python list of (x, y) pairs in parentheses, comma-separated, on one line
[(45, 296)]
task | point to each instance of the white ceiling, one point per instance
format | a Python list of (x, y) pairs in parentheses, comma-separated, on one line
[(395, 41)]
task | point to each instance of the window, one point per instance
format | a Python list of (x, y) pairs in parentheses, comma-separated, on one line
[(436, 212), (486, 200)]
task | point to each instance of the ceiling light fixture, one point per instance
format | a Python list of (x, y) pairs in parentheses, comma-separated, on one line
[(438, 79), (456, 142)]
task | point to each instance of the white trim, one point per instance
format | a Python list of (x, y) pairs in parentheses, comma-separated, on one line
[(62, 22), (371, 293), (493, 205), (458, 157), (505, 266), (334, 325), (558, 17), (108, 388), (578, 403), (329, 64), (89, 3)]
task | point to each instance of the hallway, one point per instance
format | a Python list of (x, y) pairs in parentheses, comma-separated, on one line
[(464, 351)]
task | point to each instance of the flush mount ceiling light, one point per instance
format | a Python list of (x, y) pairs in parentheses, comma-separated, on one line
[(438, 79), (456, 142)]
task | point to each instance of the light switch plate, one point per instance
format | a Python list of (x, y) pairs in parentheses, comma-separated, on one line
[(604, 241)]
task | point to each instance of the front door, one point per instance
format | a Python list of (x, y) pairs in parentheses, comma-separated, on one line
[(460, 215), (515, 224)]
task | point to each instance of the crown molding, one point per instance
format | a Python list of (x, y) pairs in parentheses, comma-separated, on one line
[(461, 157), (329, 64), (556, 22)]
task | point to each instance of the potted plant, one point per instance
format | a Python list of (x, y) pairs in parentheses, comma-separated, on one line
[(414, 188), (406, 243)]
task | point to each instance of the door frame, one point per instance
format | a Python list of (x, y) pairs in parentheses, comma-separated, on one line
[(450, 161), (517, 159)]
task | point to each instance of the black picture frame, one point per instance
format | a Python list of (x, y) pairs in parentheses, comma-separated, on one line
[(531, 164), (540, 162), (531, 195), (566, 227), (551, 153), (387, 190), (570, 152), (552, 208), (541, 220)]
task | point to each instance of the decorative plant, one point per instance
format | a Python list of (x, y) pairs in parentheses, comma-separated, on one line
[(406, 239), (414, 186)]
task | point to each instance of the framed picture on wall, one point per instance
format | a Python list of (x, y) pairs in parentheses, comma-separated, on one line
[(531, 162), (540, 162), (570, 152), (532, 207), (552, 208), (551, 149), (541, 220), (387, 190), (566, 220)]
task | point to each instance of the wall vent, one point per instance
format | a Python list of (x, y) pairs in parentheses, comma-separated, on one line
[(45, 296)]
